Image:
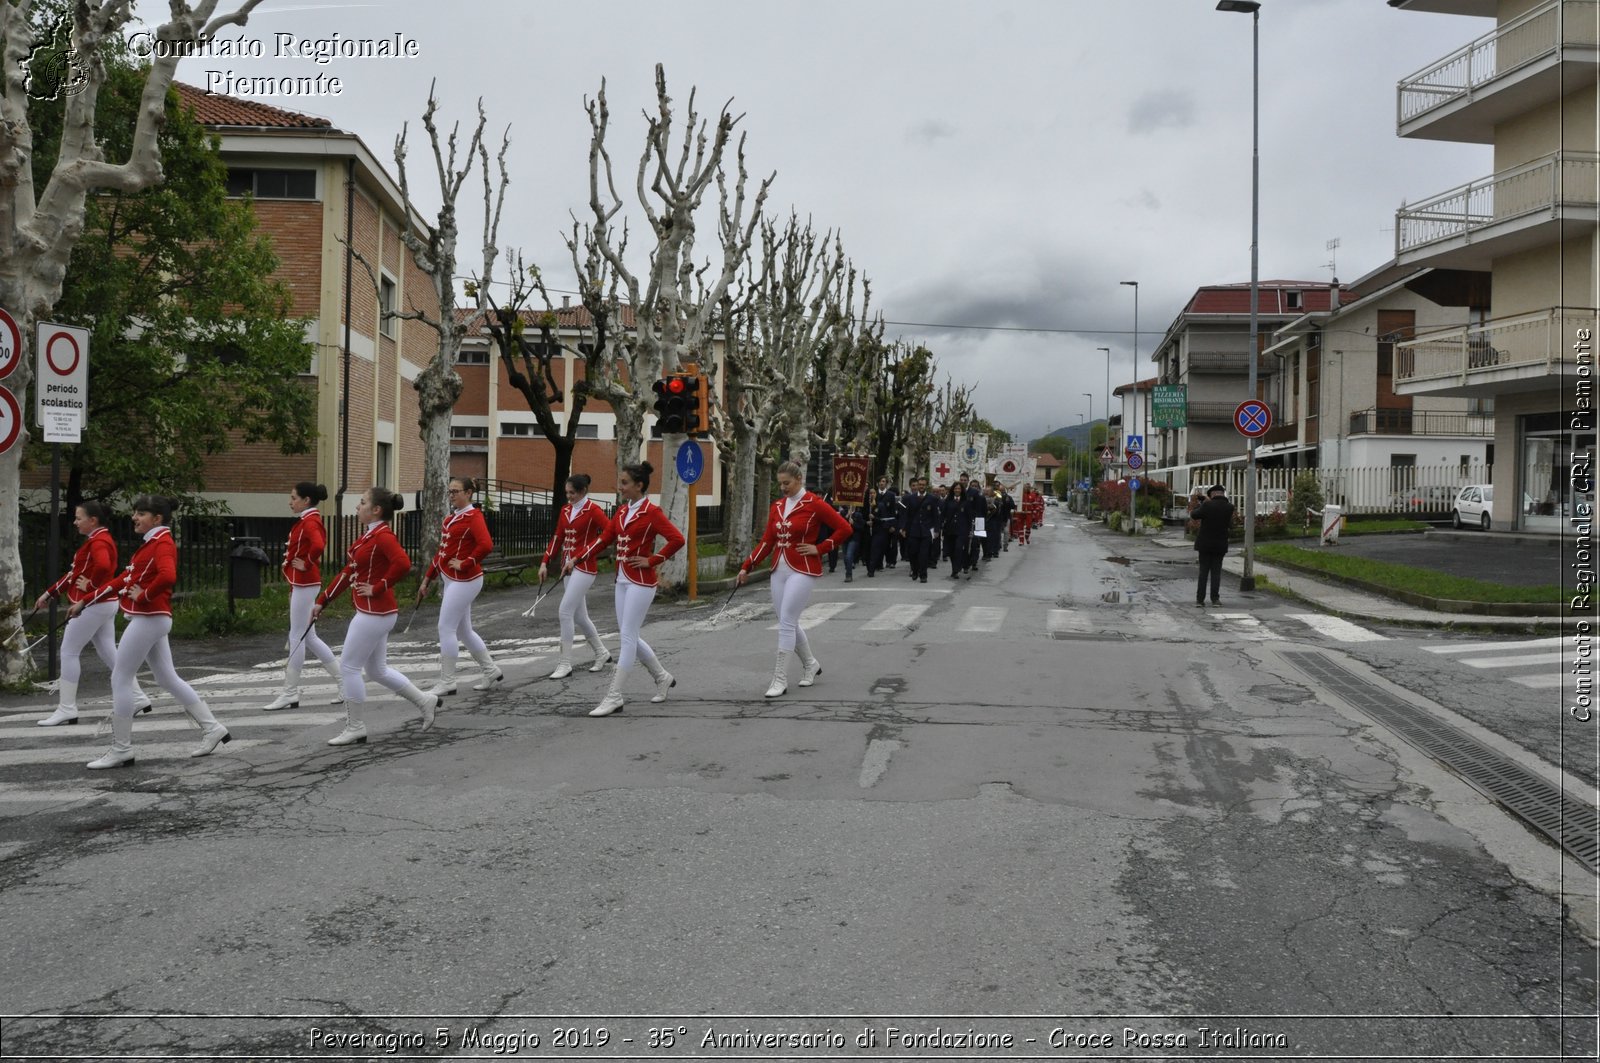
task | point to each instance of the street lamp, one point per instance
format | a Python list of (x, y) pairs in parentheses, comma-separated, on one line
[(1104, 469), (1247, 579), (1132, 508)]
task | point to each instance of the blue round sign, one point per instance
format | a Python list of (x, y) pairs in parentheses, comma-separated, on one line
[(1252, 418), (1135, 483), (691, 461)]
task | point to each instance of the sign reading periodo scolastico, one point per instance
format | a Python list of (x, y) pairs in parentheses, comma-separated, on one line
[(61, 381)]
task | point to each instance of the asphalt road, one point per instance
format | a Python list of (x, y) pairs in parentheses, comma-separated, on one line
[(1055, 792)]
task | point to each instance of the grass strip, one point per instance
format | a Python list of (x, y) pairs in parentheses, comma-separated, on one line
[(1405, 578)]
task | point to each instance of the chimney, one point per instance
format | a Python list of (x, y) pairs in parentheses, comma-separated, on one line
[(1333, 295), (566, 302)]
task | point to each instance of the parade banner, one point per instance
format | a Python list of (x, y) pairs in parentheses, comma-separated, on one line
[(1007, 465), (941, 468), (972, 453), (851, 473)]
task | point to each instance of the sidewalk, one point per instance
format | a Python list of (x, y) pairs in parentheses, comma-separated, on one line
[(1334, 597)]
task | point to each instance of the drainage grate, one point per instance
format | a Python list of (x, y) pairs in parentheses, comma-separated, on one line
[(1570, 823)]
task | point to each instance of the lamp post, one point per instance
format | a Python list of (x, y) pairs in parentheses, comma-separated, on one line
[(1132, 495), (1105, 469), (1247, 579)]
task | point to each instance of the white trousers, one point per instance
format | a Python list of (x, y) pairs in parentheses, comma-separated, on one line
[(145, 639), (575, 610), (791, 591), (301, 599), (455, 619), (97, 625), (366, 650), (633, 602)]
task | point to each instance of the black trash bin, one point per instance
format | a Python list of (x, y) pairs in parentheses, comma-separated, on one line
[(245, 562)]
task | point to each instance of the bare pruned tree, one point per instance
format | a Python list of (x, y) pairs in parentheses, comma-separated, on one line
[(675, 301), (40, 227), (433, 249)]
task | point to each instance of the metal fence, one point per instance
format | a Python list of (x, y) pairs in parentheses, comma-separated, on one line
[(205, 543)]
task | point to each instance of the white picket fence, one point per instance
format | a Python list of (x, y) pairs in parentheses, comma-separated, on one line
[(1420, 489)]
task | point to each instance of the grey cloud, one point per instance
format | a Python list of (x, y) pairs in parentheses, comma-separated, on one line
[(1162, 109), (930, 131)]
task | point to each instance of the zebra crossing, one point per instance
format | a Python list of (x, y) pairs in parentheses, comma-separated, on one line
[(166, 737), (1538, 664)]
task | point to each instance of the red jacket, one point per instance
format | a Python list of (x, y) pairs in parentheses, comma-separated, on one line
[(636, 538), (466, 536), (784, 534), (307, 540), (154, 570), (576, 536), (95, 561), (376, 558)]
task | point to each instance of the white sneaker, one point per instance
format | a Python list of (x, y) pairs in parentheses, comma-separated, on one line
[(352, 735), (285, 700), (60, 716), (609, 704), (664, 683), (563, 669), (601, 660)]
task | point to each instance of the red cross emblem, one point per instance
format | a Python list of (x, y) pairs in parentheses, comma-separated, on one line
[(942, 469)]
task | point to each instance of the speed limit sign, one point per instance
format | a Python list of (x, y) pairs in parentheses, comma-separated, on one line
[(10, 420), (10, 344)]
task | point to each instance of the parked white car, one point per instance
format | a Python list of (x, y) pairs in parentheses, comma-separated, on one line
[(1474, 505)]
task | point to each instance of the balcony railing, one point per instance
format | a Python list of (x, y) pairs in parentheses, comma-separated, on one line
[(1560, 179), (1538, 341), (1213, 412), (1408, 422), (1533, 36), (1219, 361)]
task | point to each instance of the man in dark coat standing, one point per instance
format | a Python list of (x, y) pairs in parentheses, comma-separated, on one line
[(974, 511), (1215, 515), (957, 527), (919, 525)]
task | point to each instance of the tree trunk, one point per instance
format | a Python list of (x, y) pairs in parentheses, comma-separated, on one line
[(438, 387)]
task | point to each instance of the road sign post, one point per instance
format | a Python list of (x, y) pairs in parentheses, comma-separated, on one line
[(61, 409), (691, 463), (1252, 418)]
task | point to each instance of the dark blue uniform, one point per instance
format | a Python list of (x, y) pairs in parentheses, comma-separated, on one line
[(974, 509), (919, 527), (886, 519)]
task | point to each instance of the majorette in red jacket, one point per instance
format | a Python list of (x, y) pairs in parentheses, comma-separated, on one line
[(576, 534), (636, 538), (376, 558), (307, 540), (95, 561), (784, 534), (154, 570), (465, 536)]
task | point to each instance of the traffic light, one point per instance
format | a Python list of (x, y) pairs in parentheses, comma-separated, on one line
[(699, 417), (672, 404)]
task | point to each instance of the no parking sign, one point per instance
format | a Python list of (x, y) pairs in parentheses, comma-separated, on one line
[(62, 382)]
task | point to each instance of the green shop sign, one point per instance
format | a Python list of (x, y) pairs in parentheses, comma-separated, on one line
[(1170, 406)]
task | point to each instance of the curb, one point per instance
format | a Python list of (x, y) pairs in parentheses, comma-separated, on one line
[(1453, 606)]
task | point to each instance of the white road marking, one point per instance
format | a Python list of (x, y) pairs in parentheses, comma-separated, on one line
[(1542, 682), (876, 761), (981, 618), (1512, 662), (1337, 628), (1495, 647), (895, 618), (86, 726), (820, 613), (141, 751), (1068, 620)]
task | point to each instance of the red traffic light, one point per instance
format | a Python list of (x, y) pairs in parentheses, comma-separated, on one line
[(675, 384)]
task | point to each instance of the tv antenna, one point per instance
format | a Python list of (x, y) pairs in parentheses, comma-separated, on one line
[(1333, 247)]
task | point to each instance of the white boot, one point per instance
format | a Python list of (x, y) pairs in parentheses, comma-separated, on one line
[(66, 707), (212, 733), (602, 656), (664, 683), (491, 672), (338, 683), (613, 701), (121, 751), (780, 676), (563, 668), (810, 667), (355, 729), (446, 683), (427, 704), (289, 697)]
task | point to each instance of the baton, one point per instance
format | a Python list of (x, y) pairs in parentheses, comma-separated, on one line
[(543, 594), (412, 618), (23, 627), (718, 614)]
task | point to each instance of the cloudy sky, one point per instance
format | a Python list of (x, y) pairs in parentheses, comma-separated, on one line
[(999, 166)]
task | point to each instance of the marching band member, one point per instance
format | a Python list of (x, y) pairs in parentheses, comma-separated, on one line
[(463, 544), (634, 528), (302, 567), (793, 525), (376, 562), (581, 523), (145, 588), (93, 565)]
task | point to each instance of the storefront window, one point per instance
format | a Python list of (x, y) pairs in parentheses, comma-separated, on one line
[(1556, 471)]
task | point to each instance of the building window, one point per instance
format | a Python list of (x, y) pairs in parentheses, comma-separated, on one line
[(472, 356), (587, 431), (1292, 300), (273, 184), (469, 431), (516, 428), (386, 306), (382, 476)]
